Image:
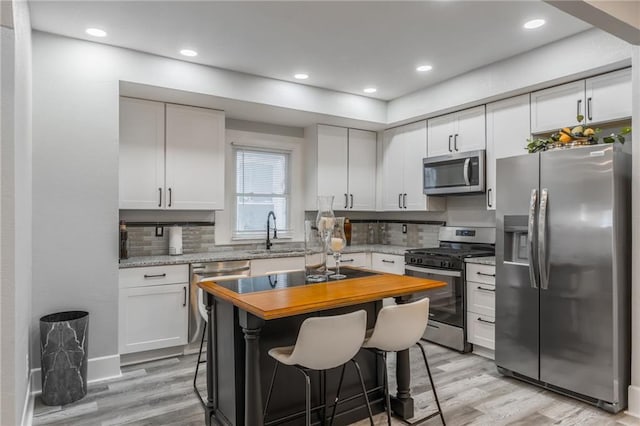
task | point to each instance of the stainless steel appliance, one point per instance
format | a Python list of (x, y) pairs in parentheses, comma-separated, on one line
[(563, 272), (447, 321), (209, 271), (456, 173)]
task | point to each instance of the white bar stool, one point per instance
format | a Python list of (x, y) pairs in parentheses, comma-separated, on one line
[(323, 343), (398, 328)]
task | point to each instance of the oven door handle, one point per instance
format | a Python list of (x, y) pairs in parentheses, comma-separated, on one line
[(444, 272)]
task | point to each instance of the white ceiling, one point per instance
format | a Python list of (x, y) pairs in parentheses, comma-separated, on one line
[(344, 46)]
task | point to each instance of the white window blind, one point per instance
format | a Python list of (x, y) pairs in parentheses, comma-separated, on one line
[(262, 185)]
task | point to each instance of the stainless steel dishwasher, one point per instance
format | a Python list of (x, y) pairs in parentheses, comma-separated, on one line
[(209, 271)]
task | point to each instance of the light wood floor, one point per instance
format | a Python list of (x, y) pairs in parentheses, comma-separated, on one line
[(470, 389)]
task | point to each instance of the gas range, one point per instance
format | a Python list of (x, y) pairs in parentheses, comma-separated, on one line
[(447, 322)]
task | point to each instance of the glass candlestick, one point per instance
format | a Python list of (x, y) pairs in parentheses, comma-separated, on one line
[(325, 222), (338, 241)]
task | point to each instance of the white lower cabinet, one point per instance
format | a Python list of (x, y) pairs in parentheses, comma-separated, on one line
[(481, 308), (388, 263), (153, 316), (273, 265)]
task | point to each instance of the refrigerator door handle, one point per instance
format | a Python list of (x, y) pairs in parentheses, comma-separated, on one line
[(543, 265), (467, 163), (531, 225)]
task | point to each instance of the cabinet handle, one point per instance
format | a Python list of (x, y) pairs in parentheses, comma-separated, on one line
[(184, 301), (351, 196), (170, 198), (579, 107), (485, 274), (347, 260), (486, 289), (485, 321), (399, 201), (159, 197), (388, 261), (155, 275), (589, 109), (489, 197), (346, 201), (404, 200), (450, 136), (455, 142)]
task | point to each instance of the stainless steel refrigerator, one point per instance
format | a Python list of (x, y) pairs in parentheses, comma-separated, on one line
[(563, 272)]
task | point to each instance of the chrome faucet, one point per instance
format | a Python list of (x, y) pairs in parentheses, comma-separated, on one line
[(275, 231)]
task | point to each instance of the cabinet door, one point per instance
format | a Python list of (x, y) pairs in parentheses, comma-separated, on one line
[(388, 263), (332, 164), (557, 107), (362, 170), (470, 130), (609, 97), (195, 158), (392, 164), (153, 317), (414, 150), (440, 137), (141, 173), (508, 129)]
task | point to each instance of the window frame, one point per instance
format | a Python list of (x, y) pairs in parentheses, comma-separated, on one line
[(283, 231)]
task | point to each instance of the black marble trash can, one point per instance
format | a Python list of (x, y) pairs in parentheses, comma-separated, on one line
[(63, 356)]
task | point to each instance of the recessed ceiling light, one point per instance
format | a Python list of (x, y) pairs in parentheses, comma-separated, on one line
[(370, 90), (188, 52), (423, 68), (534, 23), (96, 32), (301, 76)]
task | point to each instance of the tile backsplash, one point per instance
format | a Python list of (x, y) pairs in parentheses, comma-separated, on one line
[(195, 239), (381, 232)]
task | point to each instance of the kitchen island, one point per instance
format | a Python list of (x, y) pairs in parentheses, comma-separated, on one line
[(252, 315)]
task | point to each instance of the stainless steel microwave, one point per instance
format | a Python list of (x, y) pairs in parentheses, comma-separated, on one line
[(458, 173)]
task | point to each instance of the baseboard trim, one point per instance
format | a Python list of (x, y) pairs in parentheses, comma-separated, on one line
[(27, 410), (633, 408), (98, 369)]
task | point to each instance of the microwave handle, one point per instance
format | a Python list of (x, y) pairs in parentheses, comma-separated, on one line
[(467, 163)]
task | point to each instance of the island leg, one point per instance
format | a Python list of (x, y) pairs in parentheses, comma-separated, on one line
[(402, 403), (210, 408), (251, 327)]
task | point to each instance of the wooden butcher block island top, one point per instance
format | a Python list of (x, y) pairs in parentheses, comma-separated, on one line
[(297, 298)]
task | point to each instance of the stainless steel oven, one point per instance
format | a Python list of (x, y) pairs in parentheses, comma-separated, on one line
[(446, 306), (457, 173)]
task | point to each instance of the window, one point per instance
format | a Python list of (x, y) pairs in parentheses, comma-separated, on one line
[(262, 185)]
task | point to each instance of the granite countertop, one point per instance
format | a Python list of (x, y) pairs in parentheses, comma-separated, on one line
[(229, 254), (488, 260)]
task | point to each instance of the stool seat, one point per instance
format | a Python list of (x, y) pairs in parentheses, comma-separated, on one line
[(282, 354)]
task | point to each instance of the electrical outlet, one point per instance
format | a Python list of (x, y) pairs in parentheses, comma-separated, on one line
[(159, 231), (404, 228)]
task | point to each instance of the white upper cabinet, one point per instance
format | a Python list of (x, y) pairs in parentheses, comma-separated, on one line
[(141, 154), (508, 129), (403, 149), (598, 99), (609, 97), (333, 164), (342, 162), (460, 131), (362, 169), (195, 158), (171, 156), (557, 107)]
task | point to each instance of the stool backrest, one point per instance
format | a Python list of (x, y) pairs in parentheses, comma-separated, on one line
[(399, 327), (328, 342)]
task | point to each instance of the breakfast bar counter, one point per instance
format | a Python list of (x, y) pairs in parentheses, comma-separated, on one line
[(254, 314)]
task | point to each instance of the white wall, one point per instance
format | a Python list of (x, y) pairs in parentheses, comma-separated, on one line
[(16, 213), (568, 59)]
